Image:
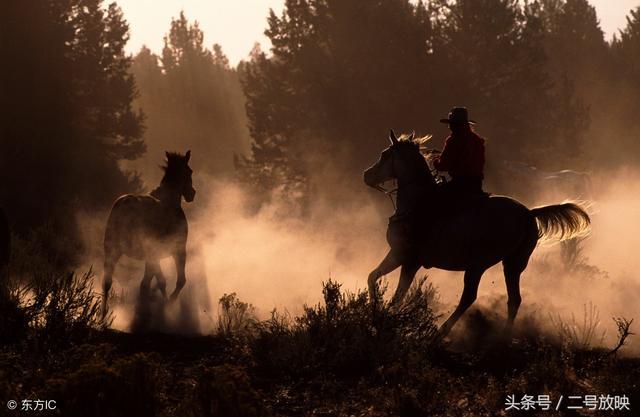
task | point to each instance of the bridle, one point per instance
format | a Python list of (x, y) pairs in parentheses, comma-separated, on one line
[(389, 193), (394, 192)]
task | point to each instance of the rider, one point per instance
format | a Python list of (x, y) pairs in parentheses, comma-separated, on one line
[(463, 154)]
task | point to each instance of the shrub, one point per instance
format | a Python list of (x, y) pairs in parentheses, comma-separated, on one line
[(235, 317), (580, 335), (126, 387), (226, 391), (60, 308), (14, 321), (349, 335)]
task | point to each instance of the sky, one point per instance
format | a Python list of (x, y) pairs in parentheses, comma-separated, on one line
[(238, 24)]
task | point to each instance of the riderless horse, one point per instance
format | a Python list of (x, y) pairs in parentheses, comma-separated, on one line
[(563, 184), (496, 229), (151, 227)]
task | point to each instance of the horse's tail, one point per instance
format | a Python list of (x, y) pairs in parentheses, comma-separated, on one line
[(561, 221), (114, 224)]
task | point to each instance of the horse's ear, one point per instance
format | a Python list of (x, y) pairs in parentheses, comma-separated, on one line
[(392, 137), (187, 155), (166, 153), (413, 135)]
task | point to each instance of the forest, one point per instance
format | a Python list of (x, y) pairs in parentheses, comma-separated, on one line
[(549, 89), (295, 123)]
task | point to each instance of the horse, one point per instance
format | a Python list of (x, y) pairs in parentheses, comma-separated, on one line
[(151, 227), (564, 184), (496, 229)]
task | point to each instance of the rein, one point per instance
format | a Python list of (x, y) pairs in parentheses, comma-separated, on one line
[(394, 191), (388, 193)]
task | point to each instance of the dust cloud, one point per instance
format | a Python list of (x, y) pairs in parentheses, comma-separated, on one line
[(272, 260), (598, 283), (269, 259)]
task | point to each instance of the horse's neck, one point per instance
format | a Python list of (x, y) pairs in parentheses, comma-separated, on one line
[(168, 195), (412, 196)]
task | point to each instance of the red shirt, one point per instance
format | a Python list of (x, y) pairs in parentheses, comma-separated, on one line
[(463, 155)]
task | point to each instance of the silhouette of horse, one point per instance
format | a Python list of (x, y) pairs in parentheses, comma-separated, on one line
[(5, 243), (567, 183), (151, 227), (496, 229)]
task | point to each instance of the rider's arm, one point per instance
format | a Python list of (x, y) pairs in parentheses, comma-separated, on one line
[(445, 161)]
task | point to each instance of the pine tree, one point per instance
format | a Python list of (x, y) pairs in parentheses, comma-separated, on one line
[(68, 118), (625, 97), (191, 96), (627, 46), (339, 75), (497, 66)]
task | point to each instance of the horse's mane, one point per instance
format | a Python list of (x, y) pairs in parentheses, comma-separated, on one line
[(418, 144), (172, 167)]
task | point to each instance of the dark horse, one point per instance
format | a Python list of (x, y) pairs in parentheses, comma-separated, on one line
[(151, 227), (497, 229)]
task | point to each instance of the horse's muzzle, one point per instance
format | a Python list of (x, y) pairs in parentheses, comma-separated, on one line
[(190, 195), (369, 179)]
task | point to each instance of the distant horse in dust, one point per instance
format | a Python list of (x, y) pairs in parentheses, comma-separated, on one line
[(496, 229), (151, 227), (565, 184)]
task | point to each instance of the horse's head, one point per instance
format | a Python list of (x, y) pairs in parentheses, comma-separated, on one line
[(178, 174), (402, 161)]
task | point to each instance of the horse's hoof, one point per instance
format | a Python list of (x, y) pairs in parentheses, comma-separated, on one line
[(441, 334), (506, 339), (373, 292)]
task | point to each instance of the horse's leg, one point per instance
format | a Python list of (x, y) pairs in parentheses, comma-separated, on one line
[(469, 295), (156, 271), (389, 263), (407, 274), (145, 285), (180, 258), (512, 279), (513, 267), (162, 281), (110, 260)]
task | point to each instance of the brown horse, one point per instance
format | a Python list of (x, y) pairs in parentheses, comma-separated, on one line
[(151, 227), (496, 229)]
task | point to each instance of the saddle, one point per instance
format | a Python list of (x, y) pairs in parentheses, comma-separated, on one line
[(461, 195), (406, 230)]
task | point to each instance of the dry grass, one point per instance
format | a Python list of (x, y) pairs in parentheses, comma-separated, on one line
[(582, 334), (345, 356)]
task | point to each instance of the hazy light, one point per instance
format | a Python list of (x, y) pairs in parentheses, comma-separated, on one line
[(238, 24), (234, 24)]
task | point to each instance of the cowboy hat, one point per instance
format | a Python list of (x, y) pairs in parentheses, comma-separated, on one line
[(458, 116)]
